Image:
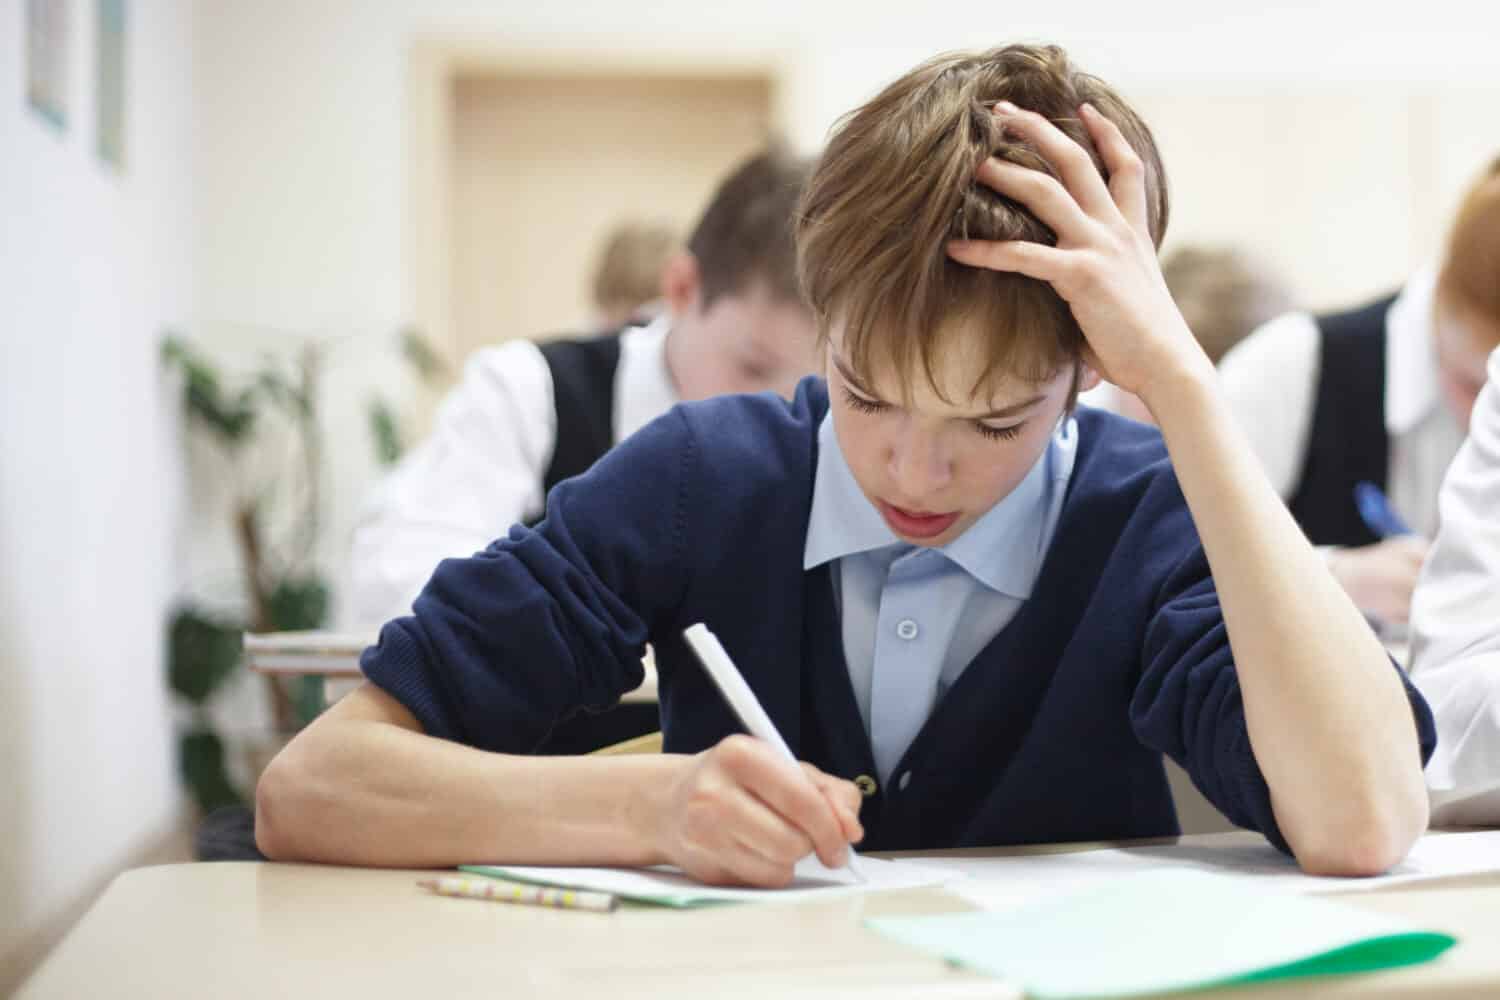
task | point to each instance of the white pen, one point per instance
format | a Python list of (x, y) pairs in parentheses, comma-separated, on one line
[(731, 684)]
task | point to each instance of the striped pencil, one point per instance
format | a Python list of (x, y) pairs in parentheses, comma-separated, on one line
[(519, 892)]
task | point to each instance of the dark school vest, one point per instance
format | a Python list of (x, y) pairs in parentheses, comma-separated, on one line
[(583, 396), (1348, 442)]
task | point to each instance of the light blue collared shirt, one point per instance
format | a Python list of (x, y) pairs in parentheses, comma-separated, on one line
[(914, 617)]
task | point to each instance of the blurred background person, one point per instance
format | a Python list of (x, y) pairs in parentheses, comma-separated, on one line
[(627, 279), (527, 415), (1224, 293), (1455, 626), (1380, 394)]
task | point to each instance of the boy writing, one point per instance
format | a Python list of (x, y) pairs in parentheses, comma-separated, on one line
[(994, 613)]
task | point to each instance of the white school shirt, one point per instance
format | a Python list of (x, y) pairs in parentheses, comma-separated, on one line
[(1270, 382), (1455, 619), (482, 468)]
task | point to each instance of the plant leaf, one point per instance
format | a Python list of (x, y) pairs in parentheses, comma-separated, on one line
[(201, 653), (201, 758), (383, 429), (298, 603), (421, 356)]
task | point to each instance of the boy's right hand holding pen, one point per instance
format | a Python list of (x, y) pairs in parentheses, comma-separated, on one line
[(740, 814)]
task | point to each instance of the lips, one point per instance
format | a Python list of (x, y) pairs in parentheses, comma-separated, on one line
[(915, 524)]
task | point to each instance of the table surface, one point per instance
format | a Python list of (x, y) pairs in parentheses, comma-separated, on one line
[(254, 930), (335, 657)]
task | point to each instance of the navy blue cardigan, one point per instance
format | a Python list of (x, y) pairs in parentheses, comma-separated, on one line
[(1054, 733)]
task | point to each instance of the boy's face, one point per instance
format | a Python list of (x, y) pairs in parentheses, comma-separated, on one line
[(933, 468), (746, 341)]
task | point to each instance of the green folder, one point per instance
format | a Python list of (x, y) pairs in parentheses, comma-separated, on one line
[(1167, 931)]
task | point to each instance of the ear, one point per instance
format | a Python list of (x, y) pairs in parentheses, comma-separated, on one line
[(681, 283), (1087, 378)]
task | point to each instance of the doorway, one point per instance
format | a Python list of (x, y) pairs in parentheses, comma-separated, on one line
[(543, 164)]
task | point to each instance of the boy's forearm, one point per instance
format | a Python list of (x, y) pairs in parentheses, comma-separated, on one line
[(371, 793), (1329, 722)]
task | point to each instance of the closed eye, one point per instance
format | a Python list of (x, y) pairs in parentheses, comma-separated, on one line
[(862, 404), (1000, 433)]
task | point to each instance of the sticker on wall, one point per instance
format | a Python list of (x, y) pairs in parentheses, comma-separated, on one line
[(110, 80), (47, 59)]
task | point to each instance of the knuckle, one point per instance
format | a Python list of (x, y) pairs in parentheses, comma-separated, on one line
[(736, 751), (1048, 183), (1087, 272), (791, 847)]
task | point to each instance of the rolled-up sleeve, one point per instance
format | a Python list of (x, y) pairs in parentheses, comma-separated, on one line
[(1189, 706), (549, 621)]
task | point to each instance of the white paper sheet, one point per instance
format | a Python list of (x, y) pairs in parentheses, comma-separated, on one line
[(670, 887), (1000, 883)]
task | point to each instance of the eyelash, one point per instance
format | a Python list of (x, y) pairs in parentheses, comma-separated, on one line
[(1000, 433), (864, 405)]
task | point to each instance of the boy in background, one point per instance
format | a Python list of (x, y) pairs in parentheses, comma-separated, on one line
[(1378, 394), (528, 415)]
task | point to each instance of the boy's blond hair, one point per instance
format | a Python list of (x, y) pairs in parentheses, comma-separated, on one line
[(1223, 293), (630, 265), (897, 182)]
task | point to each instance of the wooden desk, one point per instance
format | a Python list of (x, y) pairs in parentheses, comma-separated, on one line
[(260, 930), (334, 656)]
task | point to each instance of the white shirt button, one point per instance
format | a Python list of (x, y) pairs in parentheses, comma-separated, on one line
[(905, 780), (907, 629)]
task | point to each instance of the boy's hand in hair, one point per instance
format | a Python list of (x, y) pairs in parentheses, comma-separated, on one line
[(1104, 264)]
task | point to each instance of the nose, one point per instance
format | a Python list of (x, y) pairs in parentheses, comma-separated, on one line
[(920, 466)]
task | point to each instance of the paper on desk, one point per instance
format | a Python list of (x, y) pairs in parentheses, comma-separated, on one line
[(668, 886), (999, 883), (1167, 930)]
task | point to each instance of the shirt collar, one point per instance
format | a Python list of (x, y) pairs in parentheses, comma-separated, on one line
[(1411, 374), (1002, 550), (643, 387)]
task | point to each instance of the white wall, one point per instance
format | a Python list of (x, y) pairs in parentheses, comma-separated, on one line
[(301, 142), (93, 264)]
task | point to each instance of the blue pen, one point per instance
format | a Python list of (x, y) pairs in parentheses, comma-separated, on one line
[(1376, 511)]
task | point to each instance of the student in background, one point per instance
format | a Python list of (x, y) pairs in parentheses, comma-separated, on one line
[(1455, 621), (1380, 394), (1223, 294), (993, 611), (627, 280), (528, 415)]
